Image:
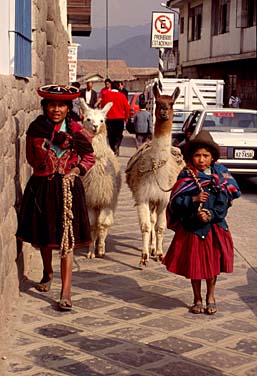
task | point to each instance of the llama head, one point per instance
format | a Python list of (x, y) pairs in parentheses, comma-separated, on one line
[(94, 118), (164, 103)]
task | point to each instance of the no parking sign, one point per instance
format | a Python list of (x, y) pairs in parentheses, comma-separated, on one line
[(162, 30)]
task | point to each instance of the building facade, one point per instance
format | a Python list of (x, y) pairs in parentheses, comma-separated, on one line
[(34, 39), (217, 40)]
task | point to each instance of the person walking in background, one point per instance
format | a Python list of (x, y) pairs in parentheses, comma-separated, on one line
[(90, 95), (122, 89), (202, 246), (58, 151), (234, 100), (143, 124), (76, 113), (103, 91), (116, 116)]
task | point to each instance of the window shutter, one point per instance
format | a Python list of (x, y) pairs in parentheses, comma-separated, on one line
[(22, 63)]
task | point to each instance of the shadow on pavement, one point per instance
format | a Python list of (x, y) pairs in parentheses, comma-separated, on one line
[(126, 289), (248, 292)]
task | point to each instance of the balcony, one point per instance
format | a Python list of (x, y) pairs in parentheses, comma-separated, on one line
[(79, 16)]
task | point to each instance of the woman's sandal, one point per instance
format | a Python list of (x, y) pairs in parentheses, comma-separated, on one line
[(197, 308), (65, 304), (211, 308), (44, 286)]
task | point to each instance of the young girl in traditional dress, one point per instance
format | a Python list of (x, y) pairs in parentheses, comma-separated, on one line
[(202, 246), (58, 151)]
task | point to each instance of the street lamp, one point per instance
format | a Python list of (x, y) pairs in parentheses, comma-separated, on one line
[(106, 42), (173, 10)]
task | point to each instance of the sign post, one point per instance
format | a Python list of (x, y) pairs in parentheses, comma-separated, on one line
[(162, 36), (72, 61)]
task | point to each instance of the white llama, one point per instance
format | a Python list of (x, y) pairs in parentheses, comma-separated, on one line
[(150, 174), (102, 182)]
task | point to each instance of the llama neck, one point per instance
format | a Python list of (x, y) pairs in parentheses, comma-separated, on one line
[(100, 145), (162, 135)]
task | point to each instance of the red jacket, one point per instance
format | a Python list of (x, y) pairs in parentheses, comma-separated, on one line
[(120, 107), (45, 161)]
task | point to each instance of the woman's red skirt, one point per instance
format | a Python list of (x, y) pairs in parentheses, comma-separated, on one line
[(196, 258)]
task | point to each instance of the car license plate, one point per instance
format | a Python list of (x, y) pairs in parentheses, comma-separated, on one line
[(244, 154)]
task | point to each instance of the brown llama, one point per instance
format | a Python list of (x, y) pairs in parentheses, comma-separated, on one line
[(150, 174)]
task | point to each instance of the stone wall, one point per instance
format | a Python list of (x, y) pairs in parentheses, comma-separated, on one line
[(19, 105)]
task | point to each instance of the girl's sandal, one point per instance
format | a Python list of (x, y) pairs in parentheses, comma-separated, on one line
[(211, 308), (197, 308)]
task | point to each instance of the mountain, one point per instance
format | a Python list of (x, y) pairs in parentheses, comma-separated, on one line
[(131, 44)]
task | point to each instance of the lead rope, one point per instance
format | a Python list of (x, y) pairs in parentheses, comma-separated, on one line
[(198, 185), (200, 207), (155, 166), (68, 240)]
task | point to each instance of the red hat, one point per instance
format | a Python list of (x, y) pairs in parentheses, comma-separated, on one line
[(59, 92)]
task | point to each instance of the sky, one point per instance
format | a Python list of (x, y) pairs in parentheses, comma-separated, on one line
[(124, 12)]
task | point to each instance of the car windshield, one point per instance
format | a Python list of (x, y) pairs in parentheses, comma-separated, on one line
[(180, 116), (130, 96), (233, 122)]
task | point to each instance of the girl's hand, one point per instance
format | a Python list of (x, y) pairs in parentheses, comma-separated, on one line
[(203, 215), (201, 197)]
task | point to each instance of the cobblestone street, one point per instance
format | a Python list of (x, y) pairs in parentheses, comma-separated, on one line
[(128, 321)]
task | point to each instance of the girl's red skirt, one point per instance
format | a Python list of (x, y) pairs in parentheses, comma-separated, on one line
[(196, 258)]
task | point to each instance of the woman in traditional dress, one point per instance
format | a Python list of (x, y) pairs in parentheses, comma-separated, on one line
[(54, 203)]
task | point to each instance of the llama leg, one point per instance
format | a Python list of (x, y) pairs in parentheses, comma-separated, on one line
[(153, 217), (92, 245), (103, 231), (159, 230), (145, 227), (105, 221), (93, 229)]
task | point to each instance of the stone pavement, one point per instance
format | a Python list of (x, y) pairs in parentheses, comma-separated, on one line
[(127, 321)]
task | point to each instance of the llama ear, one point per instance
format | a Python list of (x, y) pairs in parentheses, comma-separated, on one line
[(107, 108), (83, 104), (156, 92), (175, 94)]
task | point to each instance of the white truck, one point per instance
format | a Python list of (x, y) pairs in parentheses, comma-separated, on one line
[(195, 94)]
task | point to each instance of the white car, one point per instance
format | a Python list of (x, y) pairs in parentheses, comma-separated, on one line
[(234, 130)]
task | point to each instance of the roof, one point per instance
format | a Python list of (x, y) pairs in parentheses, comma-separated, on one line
[(144, 71), (118, 70)]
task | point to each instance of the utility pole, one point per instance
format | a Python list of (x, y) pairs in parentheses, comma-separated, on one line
[(107, 39)]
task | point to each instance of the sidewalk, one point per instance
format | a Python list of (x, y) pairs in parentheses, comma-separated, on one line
[(127, 321)]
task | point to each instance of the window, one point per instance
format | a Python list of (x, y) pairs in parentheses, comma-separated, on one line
[(248, 13), (220, 16), (22, 52), (182, 25), (195, 23)]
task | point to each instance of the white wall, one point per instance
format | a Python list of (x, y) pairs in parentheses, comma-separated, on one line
[(236, 41), (249, 39), (4, 26), (63, 9)]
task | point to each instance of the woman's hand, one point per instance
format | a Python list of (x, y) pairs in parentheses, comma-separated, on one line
[(201, 197), (72, 174)]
